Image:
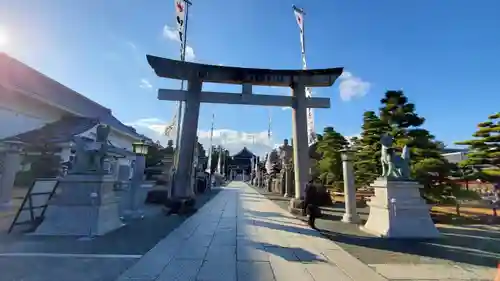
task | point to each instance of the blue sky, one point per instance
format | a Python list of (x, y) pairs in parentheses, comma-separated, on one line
[(443, 54)]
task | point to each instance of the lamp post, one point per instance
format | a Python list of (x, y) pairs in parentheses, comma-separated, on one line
[(141, 150)]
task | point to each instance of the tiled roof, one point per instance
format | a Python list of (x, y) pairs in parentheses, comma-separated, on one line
[(26, 80), (244, 153), (453, 150), (60, 131)]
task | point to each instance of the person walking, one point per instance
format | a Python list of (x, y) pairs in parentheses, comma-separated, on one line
[(495, 202), (310, 206)]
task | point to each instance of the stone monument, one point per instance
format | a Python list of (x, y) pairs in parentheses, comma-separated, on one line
[(286, 157), (397, 210), (86, 204), (168, 164)]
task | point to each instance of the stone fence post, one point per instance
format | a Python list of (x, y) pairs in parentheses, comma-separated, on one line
[(350, 215), (11, 165)]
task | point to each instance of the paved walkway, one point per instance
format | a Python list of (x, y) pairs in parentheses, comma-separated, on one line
[(241, 235)]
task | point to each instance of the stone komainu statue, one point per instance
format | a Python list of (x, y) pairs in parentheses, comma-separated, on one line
[(89, 157), (80, 160), (99, 153), (393, 165)]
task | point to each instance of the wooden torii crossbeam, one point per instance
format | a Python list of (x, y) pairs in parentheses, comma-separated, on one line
[(196, 74)]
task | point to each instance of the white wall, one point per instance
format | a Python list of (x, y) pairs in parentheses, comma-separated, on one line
[(19, 114), (117, 139)]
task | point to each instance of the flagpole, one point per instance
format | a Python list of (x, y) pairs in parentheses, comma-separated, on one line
[(210, 149), (310, 117), (269, 126), (179, 109)]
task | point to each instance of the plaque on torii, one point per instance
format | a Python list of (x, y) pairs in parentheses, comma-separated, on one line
[(196, 74)]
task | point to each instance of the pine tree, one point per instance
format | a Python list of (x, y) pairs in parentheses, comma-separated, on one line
[(330, 165), (484, 151), (428, 165), (367, 165)]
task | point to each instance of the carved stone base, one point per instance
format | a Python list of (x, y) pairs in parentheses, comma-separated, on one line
[(86, 206), (296, 206), (398, 211)]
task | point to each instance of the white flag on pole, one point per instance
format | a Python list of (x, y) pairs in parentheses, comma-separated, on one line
[(170, 127), (299, 16), (180, 14)]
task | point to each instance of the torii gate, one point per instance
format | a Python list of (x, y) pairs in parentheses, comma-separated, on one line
[(196, 74)]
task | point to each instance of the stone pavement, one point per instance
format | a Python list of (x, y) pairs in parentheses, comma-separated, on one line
[(25, 257), (241, 235), (467, 252)]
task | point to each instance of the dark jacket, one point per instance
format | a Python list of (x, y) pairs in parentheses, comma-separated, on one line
[(310, 195)]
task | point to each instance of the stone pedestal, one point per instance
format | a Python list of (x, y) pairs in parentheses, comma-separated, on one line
[(296, 206), (282, 183), (289, 182), (398, 211), (86, 205), (269, 183)]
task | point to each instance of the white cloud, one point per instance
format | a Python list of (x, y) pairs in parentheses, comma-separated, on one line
[(232, 140), (350, 138), (132, 45), (145, 84), (172, 34), (352, 87)]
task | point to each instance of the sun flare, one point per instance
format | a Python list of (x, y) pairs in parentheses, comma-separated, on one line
[(4, 38)]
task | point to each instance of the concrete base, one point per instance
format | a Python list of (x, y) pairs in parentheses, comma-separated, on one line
[(351, 218), (181, 206), (398, 211), (296, 206), (6, 206), (86, 205)]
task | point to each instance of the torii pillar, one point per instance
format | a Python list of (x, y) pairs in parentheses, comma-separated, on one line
[(196, 74)]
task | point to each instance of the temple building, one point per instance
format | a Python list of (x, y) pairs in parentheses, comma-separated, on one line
[(240, 165), (36, 109)]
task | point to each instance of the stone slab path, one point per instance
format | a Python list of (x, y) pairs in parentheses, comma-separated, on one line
[(241, 235)]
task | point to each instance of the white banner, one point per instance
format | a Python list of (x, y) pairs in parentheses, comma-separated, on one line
[(180, 16), (170, 127), (209, 164), (269, 133), (299, 16)]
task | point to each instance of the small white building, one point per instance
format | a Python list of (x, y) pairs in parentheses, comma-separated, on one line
[(33, 106), (454, 155)]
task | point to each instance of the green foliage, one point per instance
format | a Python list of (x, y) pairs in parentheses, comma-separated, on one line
[(330, 165), (399, 113), (215, 159), (155, 155), (367, 165), (483, 159), (398, 118)]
